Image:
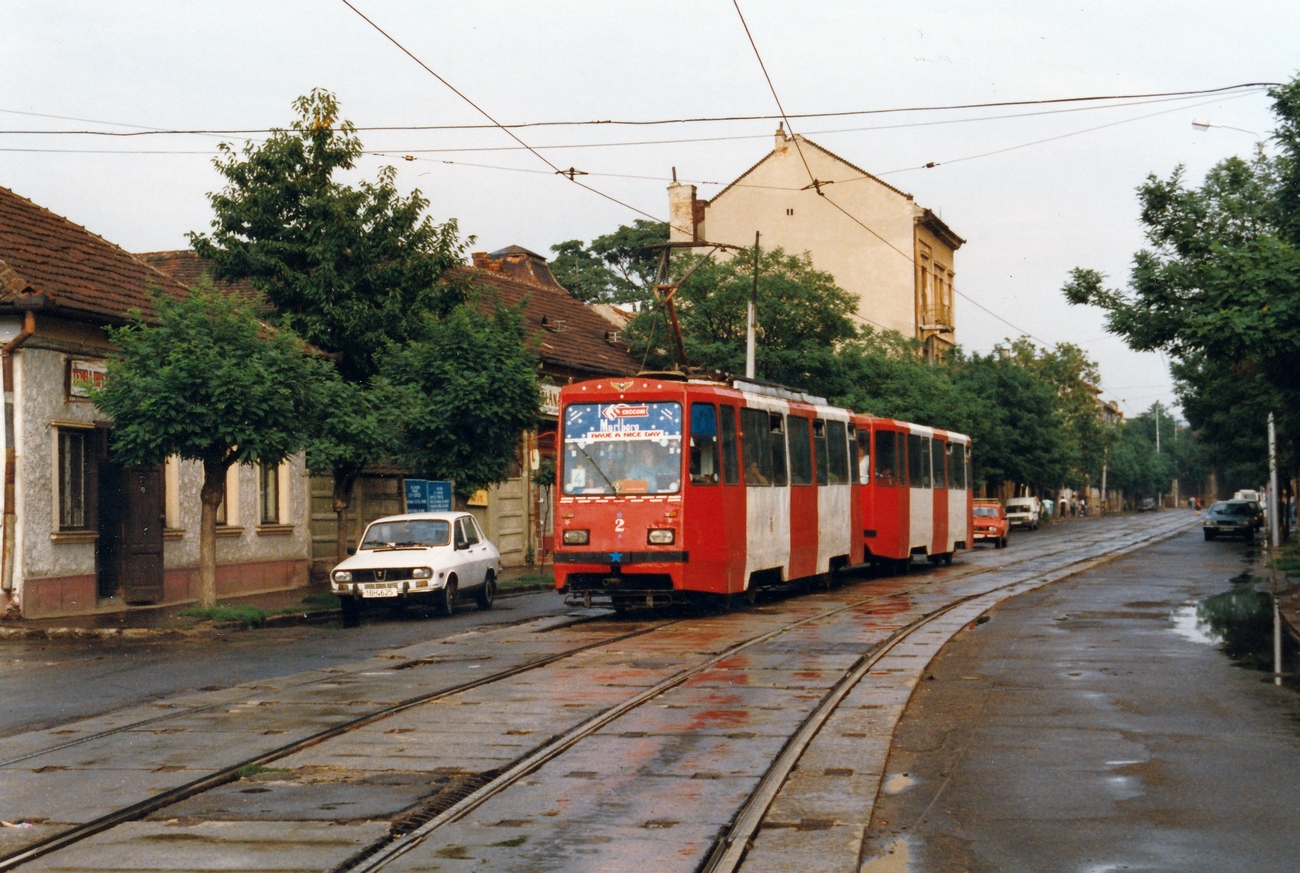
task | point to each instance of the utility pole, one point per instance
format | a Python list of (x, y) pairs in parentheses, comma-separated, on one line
[(1274, 537), (751, 329), (1162, 491)]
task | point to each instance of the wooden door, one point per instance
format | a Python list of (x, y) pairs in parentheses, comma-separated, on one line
[(142, 535)]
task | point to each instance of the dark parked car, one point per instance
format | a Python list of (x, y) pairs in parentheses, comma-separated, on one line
[(1147, 504), (1232, 518)]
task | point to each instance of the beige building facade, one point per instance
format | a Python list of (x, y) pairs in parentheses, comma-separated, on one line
[(894, 256)]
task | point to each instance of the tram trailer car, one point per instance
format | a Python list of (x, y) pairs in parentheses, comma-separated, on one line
[(668, 489)]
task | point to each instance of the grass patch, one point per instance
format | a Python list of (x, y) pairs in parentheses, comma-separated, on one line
[(1289, 561), (250, 770), (528, 581), (249, 615), (320, 600)]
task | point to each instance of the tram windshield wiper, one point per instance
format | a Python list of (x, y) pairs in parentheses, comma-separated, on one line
[(596, 467)]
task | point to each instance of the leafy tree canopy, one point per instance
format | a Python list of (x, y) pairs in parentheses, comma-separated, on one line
[(350, 269), (618, 267)]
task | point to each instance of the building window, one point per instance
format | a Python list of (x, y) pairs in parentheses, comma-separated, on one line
[(269, 492), (74, 460), (228, 510), (789, 211)]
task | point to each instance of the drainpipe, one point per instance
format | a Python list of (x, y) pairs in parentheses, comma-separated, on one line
[(11, 455)]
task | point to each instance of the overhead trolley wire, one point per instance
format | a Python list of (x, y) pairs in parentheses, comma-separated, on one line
[(568, 174), (144, 130), (817, 184)]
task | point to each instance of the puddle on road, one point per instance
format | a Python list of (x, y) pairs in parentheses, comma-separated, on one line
[(895, 860), (1239, 622)]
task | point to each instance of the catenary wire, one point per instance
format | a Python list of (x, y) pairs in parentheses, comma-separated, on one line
[(817, 185), (663, 121), (569, 175)]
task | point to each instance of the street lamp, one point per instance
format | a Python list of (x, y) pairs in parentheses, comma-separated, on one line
[(1206, 125)]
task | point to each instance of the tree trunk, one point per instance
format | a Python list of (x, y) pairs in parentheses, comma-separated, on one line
[(214, 482), (343, 481)]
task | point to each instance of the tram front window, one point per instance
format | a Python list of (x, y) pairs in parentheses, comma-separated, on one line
[(622, 448)]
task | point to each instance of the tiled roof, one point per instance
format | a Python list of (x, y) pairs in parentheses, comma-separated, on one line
[(186, 267), (572, 336), (78, 272)]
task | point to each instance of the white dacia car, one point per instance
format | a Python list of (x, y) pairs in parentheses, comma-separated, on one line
[(422, 557)]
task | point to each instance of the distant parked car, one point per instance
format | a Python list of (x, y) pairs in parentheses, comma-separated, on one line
[(991, 523), (1147, 504), (425, 557), (1023, 512), (1231, 518)]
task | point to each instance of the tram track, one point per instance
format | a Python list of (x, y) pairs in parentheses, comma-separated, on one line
[(541, 754), (730, 851)]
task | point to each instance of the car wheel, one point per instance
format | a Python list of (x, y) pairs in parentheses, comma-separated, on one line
[(350, 608), (445, 600), (487, 593)]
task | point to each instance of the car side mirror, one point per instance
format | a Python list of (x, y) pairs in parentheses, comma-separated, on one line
[(351, 551)]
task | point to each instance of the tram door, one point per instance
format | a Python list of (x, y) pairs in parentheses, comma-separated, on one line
[(938, 455), (130, 552)]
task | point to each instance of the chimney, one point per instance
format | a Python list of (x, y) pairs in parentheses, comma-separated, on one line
[(781, 139), (683, 213)]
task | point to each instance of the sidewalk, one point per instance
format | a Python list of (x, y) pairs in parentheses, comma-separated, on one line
[(312, 604)]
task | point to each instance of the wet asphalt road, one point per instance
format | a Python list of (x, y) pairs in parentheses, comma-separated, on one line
[(45, 683), (1092, 726)]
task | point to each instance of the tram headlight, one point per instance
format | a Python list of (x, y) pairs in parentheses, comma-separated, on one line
[(577, 537), (342, 576), (661, 537)]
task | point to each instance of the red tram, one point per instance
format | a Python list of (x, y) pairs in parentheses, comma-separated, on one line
[(670, 488)]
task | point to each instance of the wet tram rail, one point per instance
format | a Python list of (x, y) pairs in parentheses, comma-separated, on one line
[(597, 744)]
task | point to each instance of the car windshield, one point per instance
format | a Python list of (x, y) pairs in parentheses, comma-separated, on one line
[(986, 512), (1232, 508), (622, 448), (393, 534)]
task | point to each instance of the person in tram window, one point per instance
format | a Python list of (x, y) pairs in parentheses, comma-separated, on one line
[(753, 476)]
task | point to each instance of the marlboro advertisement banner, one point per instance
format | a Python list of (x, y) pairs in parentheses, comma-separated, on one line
[(83, 375)]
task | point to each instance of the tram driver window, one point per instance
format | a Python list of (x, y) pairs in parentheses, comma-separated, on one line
[(730, 460), (886, 458), (704, 444), (838, 452), (918, 461), (800, 451), (854, 473), (755, 433)]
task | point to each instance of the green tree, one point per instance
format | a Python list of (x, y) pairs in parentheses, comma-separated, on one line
[(471, 389), (803, 317), (210, 383), (617, 267), (363, 274), (1218, 286)]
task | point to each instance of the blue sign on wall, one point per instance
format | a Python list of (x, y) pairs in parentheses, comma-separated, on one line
[(427, 495)]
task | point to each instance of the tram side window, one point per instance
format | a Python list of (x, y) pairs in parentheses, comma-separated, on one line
[(956, 467), (966, 467), (886, 458), (855, 471), (730, 459), (819, 443), (755, 433), (704, 444), (800, 451), (777, 423), (940, 479), (837, 453), (918, 461), (861, 449)]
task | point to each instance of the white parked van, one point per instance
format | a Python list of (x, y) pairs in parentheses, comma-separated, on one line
[(1023, 512)]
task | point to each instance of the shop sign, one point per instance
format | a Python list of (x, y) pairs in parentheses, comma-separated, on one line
[(83, 375)]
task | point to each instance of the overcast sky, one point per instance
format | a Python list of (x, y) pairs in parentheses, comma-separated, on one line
[(1028, 214)]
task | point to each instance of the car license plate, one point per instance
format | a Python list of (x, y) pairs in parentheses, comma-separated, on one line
[(379, 592)]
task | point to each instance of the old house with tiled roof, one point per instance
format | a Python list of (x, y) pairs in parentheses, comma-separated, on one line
[(895, 256), (82, 533), (572, 343)]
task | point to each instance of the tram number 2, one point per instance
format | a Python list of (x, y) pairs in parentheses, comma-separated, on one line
[(618, 525)]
